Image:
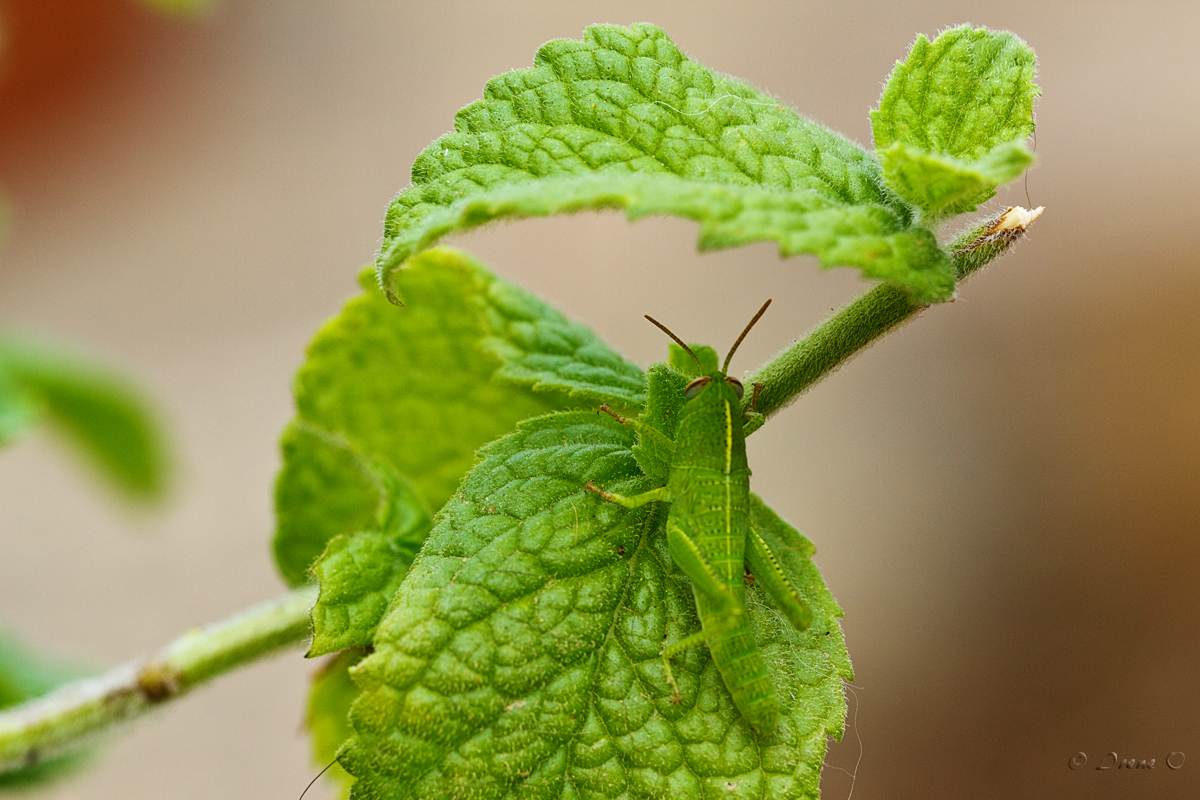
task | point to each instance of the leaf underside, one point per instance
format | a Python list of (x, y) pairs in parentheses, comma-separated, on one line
[(521, 654), (419, 389), (944, 186), (624, 120), (953, 118)]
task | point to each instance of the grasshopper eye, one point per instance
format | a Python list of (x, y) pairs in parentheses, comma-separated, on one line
[(695, 386), (737, 386)]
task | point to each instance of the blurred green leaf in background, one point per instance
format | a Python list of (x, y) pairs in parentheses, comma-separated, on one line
[(103, 418)]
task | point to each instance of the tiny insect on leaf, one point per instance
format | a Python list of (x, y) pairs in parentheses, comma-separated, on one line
[(710, 535)]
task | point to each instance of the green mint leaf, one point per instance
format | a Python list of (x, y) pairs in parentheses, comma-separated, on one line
[(664, 392), (624, 120), (420, 389), (664, 400), (965, 93), (953, 118), (328, 717), (540, 348), (681, 362), (943, 186), (105, 419), (24, 676), (324, 489), (360, 572), (521, 655)]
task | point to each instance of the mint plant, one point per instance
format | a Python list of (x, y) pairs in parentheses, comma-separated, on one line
[(495, 629)]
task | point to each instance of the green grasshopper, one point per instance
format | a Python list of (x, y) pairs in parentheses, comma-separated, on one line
[(707, 482)]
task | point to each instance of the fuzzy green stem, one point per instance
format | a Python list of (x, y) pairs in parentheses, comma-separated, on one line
[(868, 317), (72, 715)]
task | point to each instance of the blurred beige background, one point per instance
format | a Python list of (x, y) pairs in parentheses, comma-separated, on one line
[(1003, 494)]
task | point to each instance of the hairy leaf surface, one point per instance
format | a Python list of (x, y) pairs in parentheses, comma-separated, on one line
[(97, 412), (325, 488), (419, 389), (943, 186), (521, 654), (360, 572), (624, 120), (953, 118)]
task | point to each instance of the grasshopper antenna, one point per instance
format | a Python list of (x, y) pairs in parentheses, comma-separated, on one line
[(678, 341), (732, 350), (314, 780)]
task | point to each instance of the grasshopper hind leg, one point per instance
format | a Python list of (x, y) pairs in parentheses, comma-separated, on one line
[(769, 574)]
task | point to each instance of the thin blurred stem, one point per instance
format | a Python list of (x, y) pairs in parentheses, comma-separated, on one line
[(72, 715)]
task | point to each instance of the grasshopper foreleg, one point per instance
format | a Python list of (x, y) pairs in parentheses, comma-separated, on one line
[(659, 438), (632, 501), (753, 419)]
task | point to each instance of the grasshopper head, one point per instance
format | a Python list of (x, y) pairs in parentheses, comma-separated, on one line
[(698, 385), (718, 377)]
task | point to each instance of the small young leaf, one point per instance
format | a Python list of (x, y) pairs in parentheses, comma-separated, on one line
[(953, 118), (360, 572), (944, 186), (683, 363), (521, 654), (325, 488), (106, 420), (419, 389), (664, 390), (25, 677), (329, 714), (664, 399), (624, 120)]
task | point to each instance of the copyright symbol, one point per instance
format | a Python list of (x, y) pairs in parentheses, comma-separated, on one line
[(1078, 760)]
